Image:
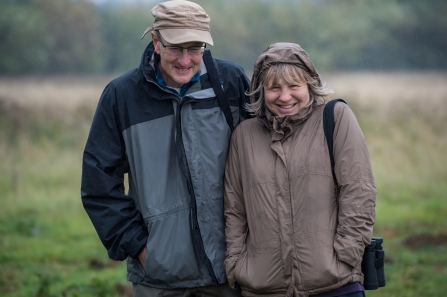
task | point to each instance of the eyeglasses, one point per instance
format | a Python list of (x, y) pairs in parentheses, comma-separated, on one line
[(178, 50)]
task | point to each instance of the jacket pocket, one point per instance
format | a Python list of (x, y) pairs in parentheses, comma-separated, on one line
[(239, 277), (348, 250), (170, 256), (135, 272), (344, 270), (318, 260), (260, 269)]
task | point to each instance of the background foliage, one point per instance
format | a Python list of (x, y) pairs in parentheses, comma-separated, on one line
[(76, 36)]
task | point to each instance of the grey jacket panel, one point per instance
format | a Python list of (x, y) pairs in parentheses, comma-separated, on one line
[(155, 182), (170, 260), (160, 192)]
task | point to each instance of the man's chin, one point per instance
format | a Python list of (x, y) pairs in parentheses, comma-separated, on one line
[(182, 80)]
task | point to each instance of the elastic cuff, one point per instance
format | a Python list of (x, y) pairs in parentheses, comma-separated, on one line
[(139, 251), (137, 244)]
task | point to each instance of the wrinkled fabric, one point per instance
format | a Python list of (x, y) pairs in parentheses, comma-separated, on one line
[(288, 232)]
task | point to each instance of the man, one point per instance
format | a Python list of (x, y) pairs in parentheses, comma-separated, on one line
[(166, 126)]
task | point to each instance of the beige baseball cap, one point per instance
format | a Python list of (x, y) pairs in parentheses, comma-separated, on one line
[(181, 21)]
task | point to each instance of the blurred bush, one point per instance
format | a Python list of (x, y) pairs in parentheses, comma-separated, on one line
[(79, 37)]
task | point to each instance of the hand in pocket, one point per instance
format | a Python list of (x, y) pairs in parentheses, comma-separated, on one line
[(141, 257)]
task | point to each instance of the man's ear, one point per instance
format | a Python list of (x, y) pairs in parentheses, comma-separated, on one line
[(156, 42)]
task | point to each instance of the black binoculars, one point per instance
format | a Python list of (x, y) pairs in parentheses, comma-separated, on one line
[(373, 265)]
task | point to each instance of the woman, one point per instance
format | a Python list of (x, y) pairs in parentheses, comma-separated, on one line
[(289, 231)]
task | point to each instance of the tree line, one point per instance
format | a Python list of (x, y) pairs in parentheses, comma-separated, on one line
[(77, 37)]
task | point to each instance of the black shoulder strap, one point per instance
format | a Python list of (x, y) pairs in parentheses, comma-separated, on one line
[(215, 82), (328, 126)]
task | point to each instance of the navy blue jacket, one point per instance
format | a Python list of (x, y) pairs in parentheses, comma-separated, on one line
[(174, 150)]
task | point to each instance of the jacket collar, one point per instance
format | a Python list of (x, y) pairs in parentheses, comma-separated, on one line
[(282, 127), (148, 59)]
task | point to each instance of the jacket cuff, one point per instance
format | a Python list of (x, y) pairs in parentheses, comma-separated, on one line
[(137, 244), (348, 250), (230, 265)]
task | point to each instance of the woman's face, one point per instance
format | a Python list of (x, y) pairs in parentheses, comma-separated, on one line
[(285, 99)]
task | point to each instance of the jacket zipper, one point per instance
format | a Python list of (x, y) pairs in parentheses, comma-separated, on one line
[(195, 229)]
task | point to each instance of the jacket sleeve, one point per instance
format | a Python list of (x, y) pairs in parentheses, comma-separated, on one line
[(236, 87), (118, 223), (357, 190), (236, 226)]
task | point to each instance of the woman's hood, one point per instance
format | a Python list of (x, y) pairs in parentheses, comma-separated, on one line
[(281, 52)]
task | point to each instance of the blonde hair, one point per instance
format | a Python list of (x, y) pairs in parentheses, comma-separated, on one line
[(290, 74)]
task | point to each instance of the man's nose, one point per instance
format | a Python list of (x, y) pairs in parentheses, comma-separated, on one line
[(184, 58)]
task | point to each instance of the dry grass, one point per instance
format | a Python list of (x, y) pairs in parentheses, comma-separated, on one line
[(389, 88), (68, 94), (385, 103), (52, 95)]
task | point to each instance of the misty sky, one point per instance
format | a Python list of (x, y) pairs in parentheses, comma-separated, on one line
[(100, 2)]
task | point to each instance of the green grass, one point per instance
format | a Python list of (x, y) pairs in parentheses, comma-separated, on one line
[(48, 246), (407, 145)]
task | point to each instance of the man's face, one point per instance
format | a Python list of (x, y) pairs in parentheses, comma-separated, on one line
[(177, 68)]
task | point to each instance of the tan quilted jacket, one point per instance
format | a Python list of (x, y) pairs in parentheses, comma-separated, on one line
[(288, 232)]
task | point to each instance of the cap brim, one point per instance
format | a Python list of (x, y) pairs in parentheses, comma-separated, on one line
[(177, 36)]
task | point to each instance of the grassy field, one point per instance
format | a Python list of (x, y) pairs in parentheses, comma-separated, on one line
[(48, 246)]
